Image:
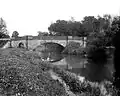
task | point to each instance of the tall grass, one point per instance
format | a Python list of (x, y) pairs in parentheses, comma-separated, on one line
[(23, 74)]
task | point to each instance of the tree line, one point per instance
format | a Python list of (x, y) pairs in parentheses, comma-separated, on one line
[(98, 27), (99, 30), (85, 27)]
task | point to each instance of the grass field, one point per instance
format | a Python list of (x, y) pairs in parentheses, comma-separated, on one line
[(22, 73)]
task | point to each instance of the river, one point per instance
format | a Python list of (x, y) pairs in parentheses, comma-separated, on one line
[(80, 66)]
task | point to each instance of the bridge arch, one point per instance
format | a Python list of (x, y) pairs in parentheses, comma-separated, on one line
[(60, 42), (50, 46)]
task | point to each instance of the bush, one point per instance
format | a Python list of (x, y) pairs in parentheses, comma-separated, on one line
[(85, 88), (74, 48), (2, 43), (99, 40)]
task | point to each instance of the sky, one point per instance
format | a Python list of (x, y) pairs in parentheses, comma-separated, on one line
[(30, 16)]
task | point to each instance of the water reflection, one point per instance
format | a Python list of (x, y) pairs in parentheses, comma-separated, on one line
[(96, 73), (75, 61), (51, 56), (79, 65)]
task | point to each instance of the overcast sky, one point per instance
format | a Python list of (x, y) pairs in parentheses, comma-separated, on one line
[(29, 16)]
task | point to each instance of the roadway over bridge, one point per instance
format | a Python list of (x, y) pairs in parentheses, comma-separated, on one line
[(33, 41)]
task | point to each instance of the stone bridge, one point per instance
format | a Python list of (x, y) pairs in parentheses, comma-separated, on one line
[(33, 41)]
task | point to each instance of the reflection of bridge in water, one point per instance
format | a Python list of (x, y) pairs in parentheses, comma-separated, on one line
[(33, 41), (79, 65)]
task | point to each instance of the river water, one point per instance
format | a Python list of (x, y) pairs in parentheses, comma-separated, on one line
[(80, 66)]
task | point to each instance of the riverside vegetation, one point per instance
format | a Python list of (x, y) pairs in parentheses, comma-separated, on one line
[(22, 73), (74, 48)]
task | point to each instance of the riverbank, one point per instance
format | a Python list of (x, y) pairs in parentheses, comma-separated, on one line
[(74, 48), (23, 73)]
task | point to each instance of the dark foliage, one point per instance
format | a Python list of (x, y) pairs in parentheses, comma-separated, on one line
[(97, 55), (2, 43)]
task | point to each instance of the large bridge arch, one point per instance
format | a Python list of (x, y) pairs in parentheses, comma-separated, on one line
[(50, 46), (60, 42)]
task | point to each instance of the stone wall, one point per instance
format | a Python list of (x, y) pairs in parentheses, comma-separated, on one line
[(34, 42)]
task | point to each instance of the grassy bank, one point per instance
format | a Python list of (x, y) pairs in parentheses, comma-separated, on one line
[(22, 73)]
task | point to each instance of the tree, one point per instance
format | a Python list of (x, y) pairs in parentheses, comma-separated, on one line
[(88, 23), (58, 28), (102, 36), (43, 33), (76, 28), (15, 34), (115, 27), (99, 24), (66, 28), (3, 30)]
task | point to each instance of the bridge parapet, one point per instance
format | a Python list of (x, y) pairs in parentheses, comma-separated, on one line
[(32, 43)]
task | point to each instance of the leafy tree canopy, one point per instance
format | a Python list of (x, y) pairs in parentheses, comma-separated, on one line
[(43, 33), (85, 27), (66, 28), (15, 34), (3, 30)]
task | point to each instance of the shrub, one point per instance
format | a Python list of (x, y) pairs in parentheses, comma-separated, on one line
[(2, 43), (85, 88), (74, 48)]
